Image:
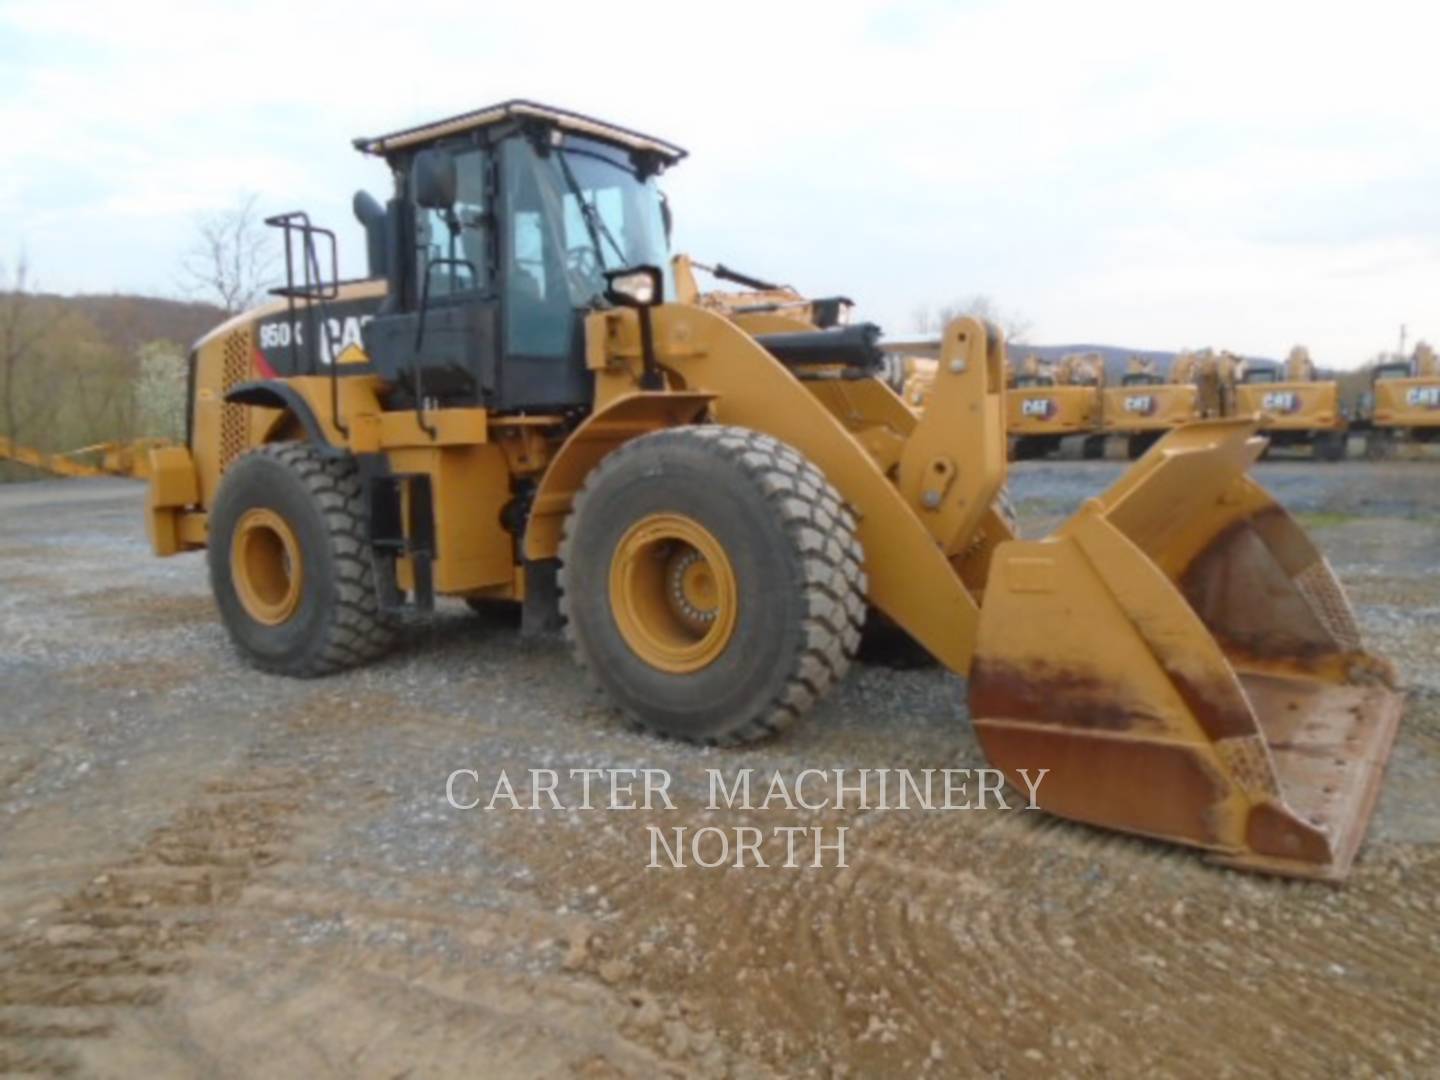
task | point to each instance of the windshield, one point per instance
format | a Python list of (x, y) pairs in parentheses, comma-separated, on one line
[(578, 211)]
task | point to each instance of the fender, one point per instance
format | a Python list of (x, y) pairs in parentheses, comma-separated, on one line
[(277, 394), (909, 526), (603, 431)]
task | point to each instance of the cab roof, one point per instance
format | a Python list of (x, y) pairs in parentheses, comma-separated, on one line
[(520, 109)]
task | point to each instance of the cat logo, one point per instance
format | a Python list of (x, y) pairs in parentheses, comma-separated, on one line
[(1423, 397), (1141, 404), (1280, 401), (340, 338), (352, 354), (1037, 408)]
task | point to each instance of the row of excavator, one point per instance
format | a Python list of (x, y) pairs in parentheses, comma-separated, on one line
[(1074, 398), (1050, 401)]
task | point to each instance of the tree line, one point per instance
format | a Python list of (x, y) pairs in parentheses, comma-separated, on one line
[(66, 382)]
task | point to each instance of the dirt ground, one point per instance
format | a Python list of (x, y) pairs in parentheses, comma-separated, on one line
[(207, 871)]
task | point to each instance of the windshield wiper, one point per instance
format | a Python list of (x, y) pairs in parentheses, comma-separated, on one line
[(594, 223)]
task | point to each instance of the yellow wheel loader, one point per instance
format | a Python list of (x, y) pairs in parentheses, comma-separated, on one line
[(1403, 403), (514, 408), (1299, 409)]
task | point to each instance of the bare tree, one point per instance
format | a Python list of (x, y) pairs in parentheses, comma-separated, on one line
[(232, 258), (1015, 325)]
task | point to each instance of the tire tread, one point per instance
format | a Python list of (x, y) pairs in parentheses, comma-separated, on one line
[(822, 530)]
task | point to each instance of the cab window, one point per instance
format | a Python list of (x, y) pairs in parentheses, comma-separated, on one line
[(451, 245)]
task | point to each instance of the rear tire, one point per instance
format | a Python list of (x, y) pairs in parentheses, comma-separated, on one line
[(1093, 448), (290, 568), (779, 604)]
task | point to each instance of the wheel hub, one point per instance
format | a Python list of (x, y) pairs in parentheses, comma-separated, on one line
[(692, 588), (673, 593), (265, 566)]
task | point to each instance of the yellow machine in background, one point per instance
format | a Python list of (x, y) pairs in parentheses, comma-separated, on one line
[(1048, 402), (1146, 405), (130, 458), (1403, 403), (1299, 409), (526, 413), (762, 304), (1045, 402)]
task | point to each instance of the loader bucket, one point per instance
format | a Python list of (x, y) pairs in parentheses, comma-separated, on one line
[(1182, 660)]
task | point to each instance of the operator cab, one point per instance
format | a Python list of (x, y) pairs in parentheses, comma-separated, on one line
[(1259, 375), (1140, 378), (1396, 370), (506, 226)]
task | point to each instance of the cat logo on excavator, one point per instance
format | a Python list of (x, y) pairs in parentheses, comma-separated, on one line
[(1281, 401), (713, 509), (1424, 397), (1140, 404), (1039, 408)]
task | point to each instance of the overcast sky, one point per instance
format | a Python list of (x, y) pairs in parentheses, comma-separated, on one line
[(1242, 175)]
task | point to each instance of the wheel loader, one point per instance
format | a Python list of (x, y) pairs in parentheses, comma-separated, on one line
[(1299, 409), (514, 408)]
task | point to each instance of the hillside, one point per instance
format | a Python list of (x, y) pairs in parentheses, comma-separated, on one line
[(125, 321)]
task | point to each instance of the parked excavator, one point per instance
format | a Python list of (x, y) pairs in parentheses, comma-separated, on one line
[(1299, 409), (1147, 404), (1403, 403), (514, 407)]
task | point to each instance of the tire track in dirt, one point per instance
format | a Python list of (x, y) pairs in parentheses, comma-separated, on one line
[(117, 943), (1054, 946)]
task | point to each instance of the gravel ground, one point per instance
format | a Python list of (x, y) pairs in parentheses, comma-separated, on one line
[(204, 870)]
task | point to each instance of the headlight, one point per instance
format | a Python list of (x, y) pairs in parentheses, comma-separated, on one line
[(831, 311)]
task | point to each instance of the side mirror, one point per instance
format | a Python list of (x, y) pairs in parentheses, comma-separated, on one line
[(434, 179), (636, 287)]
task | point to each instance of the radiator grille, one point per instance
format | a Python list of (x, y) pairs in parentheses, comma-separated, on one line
[(234, 437)]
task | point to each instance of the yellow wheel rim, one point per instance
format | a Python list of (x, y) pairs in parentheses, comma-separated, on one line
[(265, 566), (673, 593)]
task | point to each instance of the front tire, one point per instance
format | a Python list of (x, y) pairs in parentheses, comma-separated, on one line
[(290, 568), (712, 583)]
